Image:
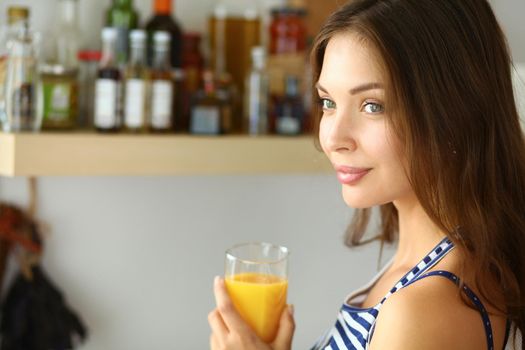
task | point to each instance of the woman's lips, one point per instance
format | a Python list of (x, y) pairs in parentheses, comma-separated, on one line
[(350, 175)]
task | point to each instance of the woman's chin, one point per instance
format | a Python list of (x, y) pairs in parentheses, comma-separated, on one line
[(357, 202)]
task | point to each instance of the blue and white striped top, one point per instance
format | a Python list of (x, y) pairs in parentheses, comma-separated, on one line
[(354, 327)]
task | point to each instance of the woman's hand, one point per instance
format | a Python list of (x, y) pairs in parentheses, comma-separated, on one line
[(230, 332)]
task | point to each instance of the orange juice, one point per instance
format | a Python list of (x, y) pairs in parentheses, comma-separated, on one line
[(260, 299)]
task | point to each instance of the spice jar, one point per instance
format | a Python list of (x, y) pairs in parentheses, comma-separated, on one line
[(59, 93), (287, 30)]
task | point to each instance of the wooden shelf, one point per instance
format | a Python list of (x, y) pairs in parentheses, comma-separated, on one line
[(88, 154)]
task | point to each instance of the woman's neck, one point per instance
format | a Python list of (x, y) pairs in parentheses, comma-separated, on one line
[(417, 233)]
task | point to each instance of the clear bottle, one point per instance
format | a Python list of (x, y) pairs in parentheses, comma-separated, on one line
[(67, 38), (257, 95), (108, 86), (23, 110), (122, 16), (162, 85), (136, 84), (16, 17)]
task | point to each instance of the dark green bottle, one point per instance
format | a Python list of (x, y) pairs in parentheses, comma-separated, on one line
[(122, 16)]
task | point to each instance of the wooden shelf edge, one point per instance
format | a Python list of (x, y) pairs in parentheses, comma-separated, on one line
[(91, 154)]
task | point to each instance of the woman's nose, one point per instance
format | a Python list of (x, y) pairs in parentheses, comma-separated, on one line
[(340, 136)]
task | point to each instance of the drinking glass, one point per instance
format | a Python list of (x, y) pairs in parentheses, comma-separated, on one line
[(256, 276)]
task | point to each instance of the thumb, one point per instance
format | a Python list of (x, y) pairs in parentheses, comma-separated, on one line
[(283, 339)]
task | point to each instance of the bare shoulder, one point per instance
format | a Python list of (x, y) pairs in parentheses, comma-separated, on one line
[(428, 314)]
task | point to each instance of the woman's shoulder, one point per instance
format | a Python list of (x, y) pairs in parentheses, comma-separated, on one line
[(428, 314)]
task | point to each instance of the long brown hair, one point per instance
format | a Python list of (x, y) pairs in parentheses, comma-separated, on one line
[(452, 105)]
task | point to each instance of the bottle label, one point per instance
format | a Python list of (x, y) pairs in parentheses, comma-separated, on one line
[(135, 103), (287, 124), (205, 120), (162, 99), (23, 100), (57, 101), (106, 103)]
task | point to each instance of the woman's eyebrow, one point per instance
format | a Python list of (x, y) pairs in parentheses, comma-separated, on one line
[(365, 87), (319, 87), (357, 89)]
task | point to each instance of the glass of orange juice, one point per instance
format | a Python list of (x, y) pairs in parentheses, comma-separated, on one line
[(256, 277)]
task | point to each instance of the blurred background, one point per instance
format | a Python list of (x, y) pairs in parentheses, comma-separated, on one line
[(136, 256)]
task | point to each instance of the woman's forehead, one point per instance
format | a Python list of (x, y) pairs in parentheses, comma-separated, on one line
[(350, 58)]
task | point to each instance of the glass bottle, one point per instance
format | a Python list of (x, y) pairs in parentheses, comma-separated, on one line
[(108, 85), (162, 87), (226, 88), (67, 38), (60, 96), (257, 95), (192, 65), (122, 16), (289, 109), (163, 21), (60, 73), (16, 17), (136, 84), (88, 72), (22, 100), (234, 29), (211, 112)]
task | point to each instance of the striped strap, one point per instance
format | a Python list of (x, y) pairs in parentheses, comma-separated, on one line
[(471, 295)]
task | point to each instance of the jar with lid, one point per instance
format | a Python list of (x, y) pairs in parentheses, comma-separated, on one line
[(60, 96), (287, 30)]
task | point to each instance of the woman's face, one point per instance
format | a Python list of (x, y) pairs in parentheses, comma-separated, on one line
[(354, 130)]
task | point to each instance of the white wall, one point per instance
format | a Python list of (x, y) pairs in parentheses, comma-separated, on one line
[(136, 256)]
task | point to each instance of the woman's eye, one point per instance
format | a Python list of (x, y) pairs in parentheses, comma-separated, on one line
[(326, 103), (373, 108)]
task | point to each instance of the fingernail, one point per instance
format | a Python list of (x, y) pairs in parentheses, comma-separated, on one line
[(216, 280), (291, 309)]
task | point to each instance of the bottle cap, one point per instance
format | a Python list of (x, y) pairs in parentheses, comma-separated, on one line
[(298, 4), (137, 35), (250, 14), (89, 55), (162, 7), (161, 37), (220, 12), (258, 52), (16, 13), (109, 33)]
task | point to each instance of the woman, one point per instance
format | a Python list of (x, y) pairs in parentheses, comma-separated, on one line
[(419, 119)]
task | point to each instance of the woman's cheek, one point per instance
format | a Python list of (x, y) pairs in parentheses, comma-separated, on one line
[(324, 127)]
